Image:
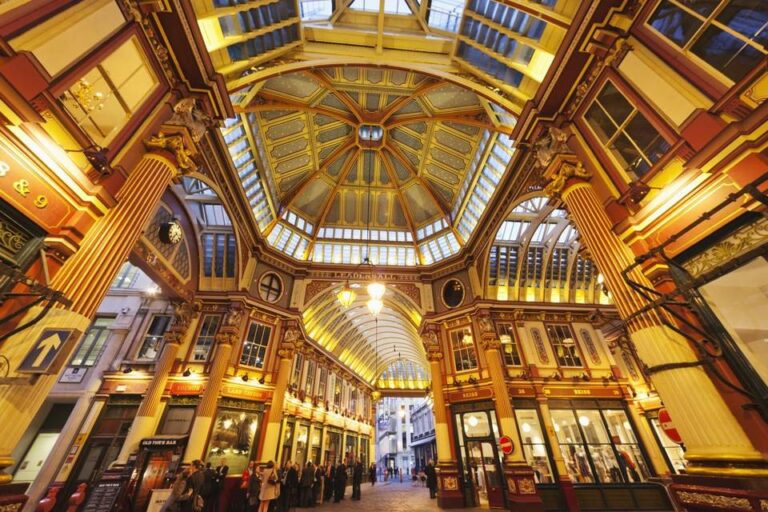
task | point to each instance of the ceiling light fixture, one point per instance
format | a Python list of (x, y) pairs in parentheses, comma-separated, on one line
[(346, 295)]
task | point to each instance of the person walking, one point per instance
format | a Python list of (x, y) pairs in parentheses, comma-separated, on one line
[(282, 499), (431, 478), (194, 503), (357, 479), (254, 488), (242, 502), (292, 485), (372, 474)]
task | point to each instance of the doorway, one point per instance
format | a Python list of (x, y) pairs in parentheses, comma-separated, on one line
[(480, 463)]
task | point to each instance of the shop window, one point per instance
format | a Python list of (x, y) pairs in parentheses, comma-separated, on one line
[(298, 364), (322, 383), (177, 420), (729, 35), (599, 446), (206, 337), (463, 349), (353, 400), (153, 339), (302, 438), (625, 132), (315, 445), (105, 98), (287, 442), (234, 431), (255, 345), (509, 345), (219, 250), (337, 391), (564, 345), (534, 445), (476, 424), (309, 379), (93, 343)]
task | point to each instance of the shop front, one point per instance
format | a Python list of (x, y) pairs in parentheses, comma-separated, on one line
[(235, 431)]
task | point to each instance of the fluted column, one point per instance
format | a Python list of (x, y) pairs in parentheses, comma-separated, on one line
[(713, 437), (292, 341), (84, 279), (518, 475), (206, 410), (183, 328)]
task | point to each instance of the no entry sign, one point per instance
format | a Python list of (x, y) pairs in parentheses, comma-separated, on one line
[(666, 425), (506, 445)]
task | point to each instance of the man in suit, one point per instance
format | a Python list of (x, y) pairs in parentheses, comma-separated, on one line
[(431, 478), (357, 479), (219, 474), (341, 482)]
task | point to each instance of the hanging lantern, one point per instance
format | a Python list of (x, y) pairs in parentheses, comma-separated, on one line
[(375, 395), (376, 290), (375, 306), (346, 295)]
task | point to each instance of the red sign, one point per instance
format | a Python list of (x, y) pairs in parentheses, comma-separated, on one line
[(506, 445), (668, 427)]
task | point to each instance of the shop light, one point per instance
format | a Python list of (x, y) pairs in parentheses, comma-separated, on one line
[(526, 427), (472, 421), (505, 339), (346, 295), (227, 423), (584, 421)]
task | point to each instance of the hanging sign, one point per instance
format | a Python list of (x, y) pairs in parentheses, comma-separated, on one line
[(506, 444), (668, 427), (46, 350)]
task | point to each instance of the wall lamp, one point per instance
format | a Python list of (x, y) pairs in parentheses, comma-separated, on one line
[(187, 372), (127, 370), (244, 377)]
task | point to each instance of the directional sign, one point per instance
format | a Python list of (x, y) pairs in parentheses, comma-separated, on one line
[(506, 444), (45, 351)]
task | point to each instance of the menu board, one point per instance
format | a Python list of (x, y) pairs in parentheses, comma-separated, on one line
[(102, 496)]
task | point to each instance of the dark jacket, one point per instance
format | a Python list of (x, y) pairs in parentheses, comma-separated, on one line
[(357, 474), (308, 476), (431, 476)]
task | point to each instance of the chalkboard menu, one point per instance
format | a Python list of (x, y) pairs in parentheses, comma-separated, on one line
[(102, 496)]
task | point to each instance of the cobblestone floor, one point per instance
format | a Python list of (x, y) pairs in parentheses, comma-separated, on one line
[(387, 497)]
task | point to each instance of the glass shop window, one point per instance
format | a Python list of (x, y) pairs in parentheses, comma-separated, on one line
[(106, 97), (625, 132), (675, 453), (177, 420), (476, 424), (322, 383), (233, 435), (730, 36), (309, 379), (564, 345), (93, 343), (206, 337), (337, 388), (509, 346), (255, 345), (298, 364), (353, 400), (534, 445), (463, 348), (153, 339), (599, 446), (287, 442), (302, 438)]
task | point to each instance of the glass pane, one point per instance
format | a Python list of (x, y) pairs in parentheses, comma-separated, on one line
[(476, 424), (627, 154), (619, 427), (646, 137), (674, 23), (564, 423), (605, 464), (593, 427), (232, 438), (747, 17), (732, 56), (602, 125), (534, 446), (614, 103)]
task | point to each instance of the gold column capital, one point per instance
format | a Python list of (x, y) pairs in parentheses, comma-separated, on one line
[(562, 171), (183, 314), (431, 342), (178, 141), (292, 340)]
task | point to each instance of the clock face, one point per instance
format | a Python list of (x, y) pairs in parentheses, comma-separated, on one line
[(171, 232)]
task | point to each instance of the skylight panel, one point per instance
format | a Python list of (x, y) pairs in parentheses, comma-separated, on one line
[(315, 9), (445, 14)]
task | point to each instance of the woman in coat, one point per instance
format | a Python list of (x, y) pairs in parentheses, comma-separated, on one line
[(254, 490), (270, 486), (177, 492)]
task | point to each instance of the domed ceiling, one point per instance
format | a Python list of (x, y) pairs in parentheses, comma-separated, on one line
[(427, 153)]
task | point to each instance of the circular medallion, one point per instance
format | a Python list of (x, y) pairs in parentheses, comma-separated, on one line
[(453, 293)]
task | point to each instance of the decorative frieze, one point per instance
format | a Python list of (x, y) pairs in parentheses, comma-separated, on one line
[(741, 241)]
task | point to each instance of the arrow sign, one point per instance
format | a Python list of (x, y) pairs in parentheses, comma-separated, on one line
[(45, 351)]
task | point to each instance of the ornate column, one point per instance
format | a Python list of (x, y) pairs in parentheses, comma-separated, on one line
[(185, 318), (291, 342), (225, 339), (521, 487), (449, 494), (715, 440), (85, 279)]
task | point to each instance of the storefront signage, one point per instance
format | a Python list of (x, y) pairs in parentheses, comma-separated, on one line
[(245, 392), (186, 388), (582, 392), (507, 445), (665, 421), (472, 394), (153, 443), (136, 387)]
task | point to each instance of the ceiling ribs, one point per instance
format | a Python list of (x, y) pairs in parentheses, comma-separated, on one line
[(287, 105), (291, 195)]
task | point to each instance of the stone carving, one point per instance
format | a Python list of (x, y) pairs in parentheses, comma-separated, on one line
[(485, 324), (591, 348), (714, 500), (741, 241), (186, 113), (563, 174), (526, 486), (539, 344), (450, 483), (431, 344), (291, 342), (176, 145), (547, 147), (511, 485)]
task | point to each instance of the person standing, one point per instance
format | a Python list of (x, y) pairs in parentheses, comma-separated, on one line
[(270, 486), (317, 487), (372, 474), (282, 499), (193, 488), (254, 488), (330, 482), (307, 480), (341, 482), (357, 479), (176, 498), (431, 478), (207, 491), (292, 485)]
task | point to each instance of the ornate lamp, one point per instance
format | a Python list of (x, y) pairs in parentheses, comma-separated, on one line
[(375, 306), (346, 295)]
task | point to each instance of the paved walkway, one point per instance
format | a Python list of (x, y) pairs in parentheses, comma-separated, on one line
[(386, 497)]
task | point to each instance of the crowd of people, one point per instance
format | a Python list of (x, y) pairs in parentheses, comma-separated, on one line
[(270, 488)]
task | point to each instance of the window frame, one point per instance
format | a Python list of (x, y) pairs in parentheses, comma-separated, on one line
[(466, 329), (695, 70), (575, 352), (145, 337), (103, 330), (619, 176), (510, 328), (193, 348), (258, 349)]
